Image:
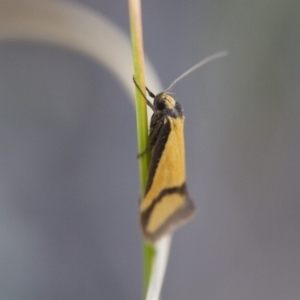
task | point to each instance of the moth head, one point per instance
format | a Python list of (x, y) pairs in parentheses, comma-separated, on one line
[(164, 101), (165, 104)]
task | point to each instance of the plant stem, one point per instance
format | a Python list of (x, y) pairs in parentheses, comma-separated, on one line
[(141, 115)]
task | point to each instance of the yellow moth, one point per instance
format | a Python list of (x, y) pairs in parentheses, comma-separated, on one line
[(166, 204)]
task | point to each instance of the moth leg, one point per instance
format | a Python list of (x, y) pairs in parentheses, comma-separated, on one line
[(148, 148), (152, 138), (150, 93)]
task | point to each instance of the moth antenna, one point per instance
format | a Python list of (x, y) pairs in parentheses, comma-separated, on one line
[(150, 93), (198, 65)]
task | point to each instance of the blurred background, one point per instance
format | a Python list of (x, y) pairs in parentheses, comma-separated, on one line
[(69, 175)]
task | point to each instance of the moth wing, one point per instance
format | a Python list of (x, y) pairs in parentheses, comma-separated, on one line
[(166, 204)]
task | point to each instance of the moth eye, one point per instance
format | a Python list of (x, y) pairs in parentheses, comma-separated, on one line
[(161, 105)]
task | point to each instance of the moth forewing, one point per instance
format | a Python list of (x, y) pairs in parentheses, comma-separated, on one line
[(166, 204)]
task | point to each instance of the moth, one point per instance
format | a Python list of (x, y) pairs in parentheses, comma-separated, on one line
[(166, 204)]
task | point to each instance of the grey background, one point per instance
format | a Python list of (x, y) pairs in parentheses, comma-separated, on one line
[(69, 181)]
